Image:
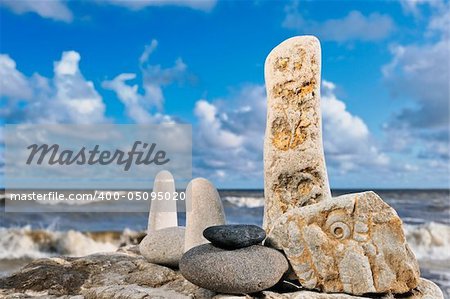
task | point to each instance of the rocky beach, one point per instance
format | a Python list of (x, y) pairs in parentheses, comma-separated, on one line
[(310, 244), (128, 275)]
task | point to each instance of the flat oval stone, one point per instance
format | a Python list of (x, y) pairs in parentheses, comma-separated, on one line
[(164, 246), (234, 236), (246, 270)]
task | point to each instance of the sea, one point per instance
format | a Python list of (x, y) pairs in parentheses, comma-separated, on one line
[(31, 235)]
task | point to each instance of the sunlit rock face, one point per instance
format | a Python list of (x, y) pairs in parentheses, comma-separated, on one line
[(353, 243), (294, 165)]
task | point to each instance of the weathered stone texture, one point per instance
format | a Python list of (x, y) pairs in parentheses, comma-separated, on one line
[(294, 166), (125, 276), (353, 244)]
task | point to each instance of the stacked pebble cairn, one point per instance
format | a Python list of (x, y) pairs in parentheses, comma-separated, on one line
[(351, 244), (222, 258), (234, 262)]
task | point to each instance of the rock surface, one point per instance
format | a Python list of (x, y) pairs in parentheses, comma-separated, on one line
[(234, 236), (425, 290), (163, 213), (128, 276), (246, 270), (294, 165), (164, 246), (106, 275), (353, 244), (203, 209)]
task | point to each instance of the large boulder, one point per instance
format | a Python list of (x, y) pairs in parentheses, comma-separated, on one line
[(353, 244)]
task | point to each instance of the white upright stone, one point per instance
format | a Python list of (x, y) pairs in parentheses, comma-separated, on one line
[(164, 242), (163, 213), (294, 165), (203, 209)]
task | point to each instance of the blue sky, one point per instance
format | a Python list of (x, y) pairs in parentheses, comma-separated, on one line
[(385, 71)]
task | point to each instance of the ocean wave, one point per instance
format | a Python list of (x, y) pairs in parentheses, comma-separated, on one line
[(24, 242), (247, 202), (429, 241)]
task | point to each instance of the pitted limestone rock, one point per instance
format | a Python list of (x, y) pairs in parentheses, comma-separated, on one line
[(294, 165), (353, 244)]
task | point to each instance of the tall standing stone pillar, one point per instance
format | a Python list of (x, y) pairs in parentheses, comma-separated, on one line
[(294, 165)]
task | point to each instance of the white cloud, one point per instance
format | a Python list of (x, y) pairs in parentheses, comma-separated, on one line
[(13, 84), (68, 65), (419, 73), (66, 98), (441, 22), (414, 6), (339, 123), (354, 26), (204, 5), (129, 96), (54, 9), (133, 100), (74, 94), (347, 141), (211, 128), (228, 141), (230, 135), (140, 107), (59, 11), (155, 78), (148, 49)]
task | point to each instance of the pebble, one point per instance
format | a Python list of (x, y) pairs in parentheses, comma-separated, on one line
[(234, 236), (246, 270), (164, 247)]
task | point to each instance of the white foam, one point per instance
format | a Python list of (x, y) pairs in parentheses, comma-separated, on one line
[(247, 202), (16, 243), (23, 242), (429, 241), (74, 243)]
